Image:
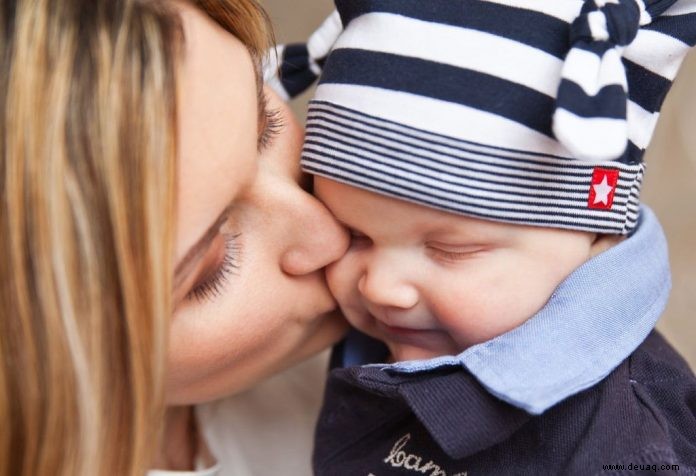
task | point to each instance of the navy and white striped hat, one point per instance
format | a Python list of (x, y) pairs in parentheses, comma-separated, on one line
[(524, 111)]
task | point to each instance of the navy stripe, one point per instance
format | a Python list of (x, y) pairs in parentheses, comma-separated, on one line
[(596, 47), (329, 115), (399, 128), (388, 170), (549, 34), (295, 74), (633, 154), (680, 27), (477, 211), (645, 88), (462, 161), (609, 102), (657, 7), (461, 86)]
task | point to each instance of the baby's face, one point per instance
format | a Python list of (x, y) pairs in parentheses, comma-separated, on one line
[(431, 283)]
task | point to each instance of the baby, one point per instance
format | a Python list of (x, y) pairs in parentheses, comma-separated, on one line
[(487, 158)]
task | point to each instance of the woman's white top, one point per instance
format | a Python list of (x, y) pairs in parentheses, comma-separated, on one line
[(200, 471), (266, 430)]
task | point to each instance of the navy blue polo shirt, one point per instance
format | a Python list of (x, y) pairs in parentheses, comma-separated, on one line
[(577, 389), (445, 422)]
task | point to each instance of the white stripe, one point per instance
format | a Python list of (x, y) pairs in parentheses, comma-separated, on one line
[(601, 3), (489, 170), (277, 86), (682, 7), (598, 25), (271, 71), (645, 17), (659, 53), (566, 10), (440, 117), (314, 67), (592, 73), (585, 219), (460, 47), (271, 62), (641, 124), (321, 41), (590, 138)]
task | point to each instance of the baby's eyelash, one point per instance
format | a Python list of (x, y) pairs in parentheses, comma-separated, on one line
[(212, 286), (274, 124)]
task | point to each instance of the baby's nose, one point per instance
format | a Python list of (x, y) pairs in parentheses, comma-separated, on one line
[(384, 287)]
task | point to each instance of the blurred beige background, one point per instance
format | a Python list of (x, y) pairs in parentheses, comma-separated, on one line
[(670, 184)]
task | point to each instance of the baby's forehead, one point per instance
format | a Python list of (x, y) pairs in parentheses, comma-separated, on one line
[(383, 214)]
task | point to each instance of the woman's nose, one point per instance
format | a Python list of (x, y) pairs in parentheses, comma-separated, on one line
[(319, 238), (385, 284)]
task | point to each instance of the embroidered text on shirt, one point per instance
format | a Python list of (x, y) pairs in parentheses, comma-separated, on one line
[(398, 458)]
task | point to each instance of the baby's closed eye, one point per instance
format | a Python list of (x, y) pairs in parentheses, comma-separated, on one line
[(455, 252)]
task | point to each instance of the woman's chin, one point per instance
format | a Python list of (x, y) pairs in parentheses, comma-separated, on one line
[(328, 330), (264, 362)]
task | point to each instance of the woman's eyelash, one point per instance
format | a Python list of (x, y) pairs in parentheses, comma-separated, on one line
[(274, 123), (213, 285)]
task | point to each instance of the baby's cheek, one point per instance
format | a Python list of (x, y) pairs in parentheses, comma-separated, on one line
[(473, 313), (342, 277)]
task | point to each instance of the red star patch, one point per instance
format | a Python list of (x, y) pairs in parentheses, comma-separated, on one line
[(602, 188)]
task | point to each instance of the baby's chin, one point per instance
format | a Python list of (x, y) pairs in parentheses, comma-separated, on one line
[(406, 344)]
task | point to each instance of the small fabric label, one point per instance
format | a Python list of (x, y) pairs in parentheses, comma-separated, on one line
[(602, 188)]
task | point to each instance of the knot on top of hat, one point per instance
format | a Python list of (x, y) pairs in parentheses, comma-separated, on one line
[(615, 21), (590, 116), (592, 101)]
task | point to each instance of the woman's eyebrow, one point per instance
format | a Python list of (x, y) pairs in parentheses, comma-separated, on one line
[(186, 264)]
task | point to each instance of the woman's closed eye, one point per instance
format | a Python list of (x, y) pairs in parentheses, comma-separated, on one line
[(225, 263)]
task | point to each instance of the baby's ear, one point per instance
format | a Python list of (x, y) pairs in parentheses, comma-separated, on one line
[(602, 242), (292, 69)]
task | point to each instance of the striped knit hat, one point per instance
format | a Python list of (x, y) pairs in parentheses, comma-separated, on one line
[(524, 111)]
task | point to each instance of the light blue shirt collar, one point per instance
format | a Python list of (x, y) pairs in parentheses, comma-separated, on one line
[(593, 321)]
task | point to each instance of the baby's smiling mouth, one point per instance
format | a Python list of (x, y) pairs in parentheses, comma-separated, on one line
[(402, 330)]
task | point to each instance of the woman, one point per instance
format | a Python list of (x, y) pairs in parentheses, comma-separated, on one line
[(155, 244)]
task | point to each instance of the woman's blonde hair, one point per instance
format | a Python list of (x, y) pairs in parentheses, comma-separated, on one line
[(87, 194)]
